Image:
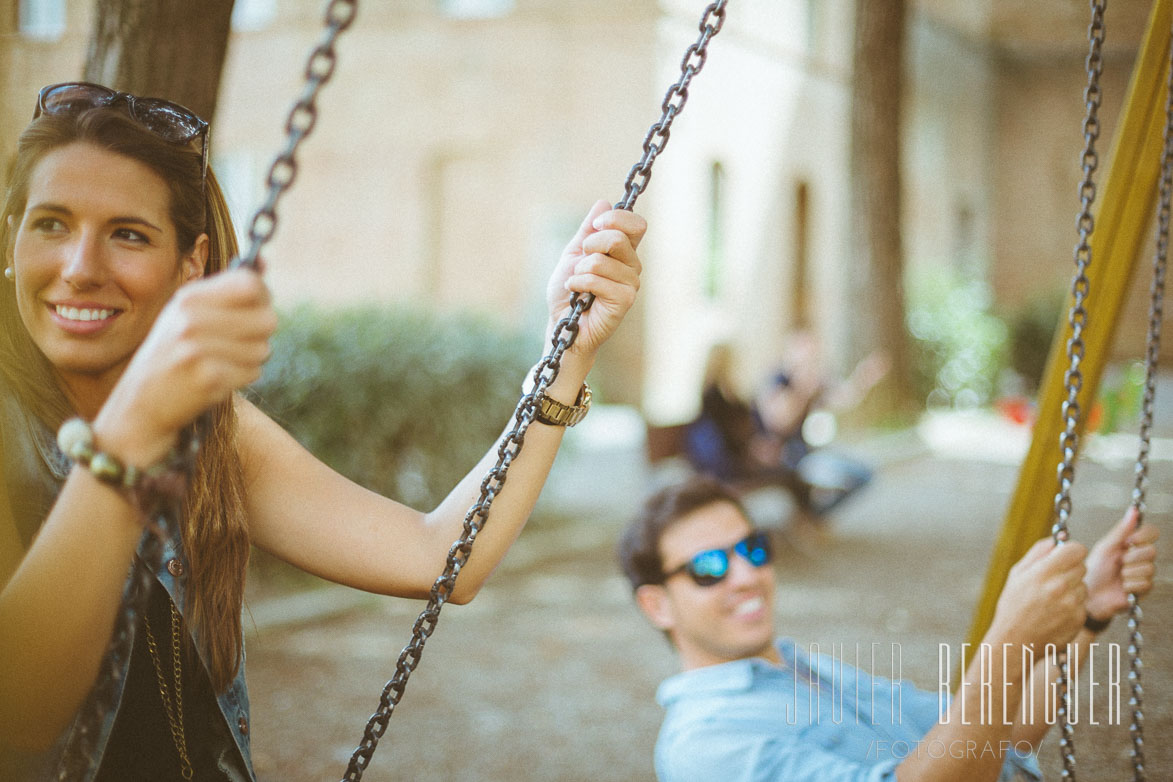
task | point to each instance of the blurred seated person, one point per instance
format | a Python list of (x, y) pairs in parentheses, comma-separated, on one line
[(718, 441), (727, 441), (796, 418), (777, 439)]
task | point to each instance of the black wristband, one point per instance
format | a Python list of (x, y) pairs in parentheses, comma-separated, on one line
[(1097, 626)]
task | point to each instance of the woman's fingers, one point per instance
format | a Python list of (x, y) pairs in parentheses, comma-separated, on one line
[(220, 324), (628, 223), (613, 242), (601, 260), (603, 267), (238, 287), (587, 227)]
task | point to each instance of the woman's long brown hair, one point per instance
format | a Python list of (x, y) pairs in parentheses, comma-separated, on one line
[(214, 529)]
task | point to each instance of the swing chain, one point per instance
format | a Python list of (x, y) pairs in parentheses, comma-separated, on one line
[(1152, 354), (1136, 691), (303, 116), (1077, 316), (1077, 319), (425, 624), (511, 444), (657, 136)]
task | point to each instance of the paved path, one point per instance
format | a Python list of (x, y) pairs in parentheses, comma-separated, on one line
[(550, 673)]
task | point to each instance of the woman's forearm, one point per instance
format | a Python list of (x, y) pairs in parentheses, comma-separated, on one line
[(512, 507), (57, 610)]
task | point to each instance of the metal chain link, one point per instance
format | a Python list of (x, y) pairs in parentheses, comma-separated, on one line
[(1136, 691), (511, 444), (657, 136), (302, 118), (1077, 318), (1152, 355)]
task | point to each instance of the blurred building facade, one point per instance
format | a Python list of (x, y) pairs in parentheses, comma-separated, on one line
[(461, 142)]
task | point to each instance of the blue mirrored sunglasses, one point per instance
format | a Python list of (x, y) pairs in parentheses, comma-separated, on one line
[(710, 567)]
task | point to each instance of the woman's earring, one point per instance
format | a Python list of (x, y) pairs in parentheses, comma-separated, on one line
[(10, 273)]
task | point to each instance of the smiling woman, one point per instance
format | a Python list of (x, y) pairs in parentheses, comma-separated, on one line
[(99, 258), (120, 326), (103, 221)]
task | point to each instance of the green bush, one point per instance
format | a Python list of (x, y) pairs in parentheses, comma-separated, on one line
[(1122, 395), (404, 403), (960, 345)]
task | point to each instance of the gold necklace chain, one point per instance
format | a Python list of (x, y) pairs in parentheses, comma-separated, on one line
[(174, 708)]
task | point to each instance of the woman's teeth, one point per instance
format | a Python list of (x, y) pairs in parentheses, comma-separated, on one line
[(73, 313)]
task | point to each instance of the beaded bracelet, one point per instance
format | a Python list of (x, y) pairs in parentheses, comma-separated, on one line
[(145, 486)]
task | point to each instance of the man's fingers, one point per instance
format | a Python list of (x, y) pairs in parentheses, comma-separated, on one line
[(1145, 535), (1121, 529), (1036, 552), (1067, 556)]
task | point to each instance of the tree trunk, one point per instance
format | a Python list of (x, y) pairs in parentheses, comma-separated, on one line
[(171, 49), (877, 93)]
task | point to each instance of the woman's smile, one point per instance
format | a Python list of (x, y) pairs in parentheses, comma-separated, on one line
[(82, 318)]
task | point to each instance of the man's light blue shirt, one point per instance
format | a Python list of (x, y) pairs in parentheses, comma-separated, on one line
[(813, 719)]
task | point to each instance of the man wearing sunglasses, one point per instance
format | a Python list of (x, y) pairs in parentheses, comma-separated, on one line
[(749, 706)]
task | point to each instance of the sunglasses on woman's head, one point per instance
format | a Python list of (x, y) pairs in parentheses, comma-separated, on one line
[(710, 567), (169, 121)]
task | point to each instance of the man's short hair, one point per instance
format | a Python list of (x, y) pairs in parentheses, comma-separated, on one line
[(639, 547)]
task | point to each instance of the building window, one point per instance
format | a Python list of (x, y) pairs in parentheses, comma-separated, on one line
[(252, 15), (42, 19), (714, 269), (800, 303), (475, 9)]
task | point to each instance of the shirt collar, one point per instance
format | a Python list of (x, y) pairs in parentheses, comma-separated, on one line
[(731, 677)]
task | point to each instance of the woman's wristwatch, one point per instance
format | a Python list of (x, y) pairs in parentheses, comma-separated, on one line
[(551, 411)]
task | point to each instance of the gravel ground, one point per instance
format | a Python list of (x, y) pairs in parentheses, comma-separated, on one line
[(550, 673)]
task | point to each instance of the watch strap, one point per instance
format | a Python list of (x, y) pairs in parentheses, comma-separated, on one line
[(554, 413)]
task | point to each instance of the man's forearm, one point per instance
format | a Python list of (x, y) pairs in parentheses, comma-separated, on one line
[(974, 728), (1033, 724)]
